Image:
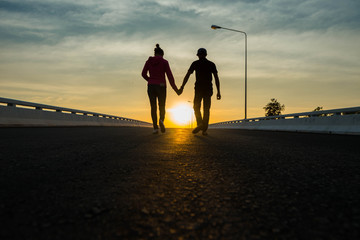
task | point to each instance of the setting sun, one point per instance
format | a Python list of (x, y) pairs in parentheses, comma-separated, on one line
[(182, 115)]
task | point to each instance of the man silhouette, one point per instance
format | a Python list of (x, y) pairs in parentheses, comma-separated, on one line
[(204, 69)]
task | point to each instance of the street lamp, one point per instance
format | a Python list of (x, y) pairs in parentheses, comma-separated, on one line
[(218, 27), (191, 116)]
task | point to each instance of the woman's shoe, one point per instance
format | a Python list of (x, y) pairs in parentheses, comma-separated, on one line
[(197, 129), (162, 126)]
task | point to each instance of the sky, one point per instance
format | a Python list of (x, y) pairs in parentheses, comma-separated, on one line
[(89, 54)]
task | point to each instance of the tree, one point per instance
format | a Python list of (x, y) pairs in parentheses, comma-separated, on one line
[(273, 108), (318, 109)]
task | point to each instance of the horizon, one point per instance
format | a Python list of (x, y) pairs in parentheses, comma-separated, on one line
[(89, 55)]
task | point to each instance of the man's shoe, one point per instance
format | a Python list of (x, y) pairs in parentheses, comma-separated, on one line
[(162, 126), (204, 133), (197, 129), (156, 131)]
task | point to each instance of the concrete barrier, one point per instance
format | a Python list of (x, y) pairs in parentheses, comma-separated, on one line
[(337, 121), (15, 113)]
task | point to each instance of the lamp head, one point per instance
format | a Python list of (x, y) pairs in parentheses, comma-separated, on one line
[(215, 27)]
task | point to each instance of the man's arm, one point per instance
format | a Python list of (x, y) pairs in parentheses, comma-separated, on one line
[(186, 78), (217, 83)]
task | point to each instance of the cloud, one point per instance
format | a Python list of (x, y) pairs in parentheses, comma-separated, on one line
[(51, 21)]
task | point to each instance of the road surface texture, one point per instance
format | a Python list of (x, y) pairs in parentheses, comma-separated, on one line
[(125, 183)]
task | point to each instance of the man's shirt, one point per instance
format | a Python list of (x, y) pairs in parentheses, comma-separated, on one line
[(203, 71)]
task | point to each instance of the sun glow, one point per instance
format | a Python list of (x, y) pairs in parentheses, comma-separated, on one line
[(182, 115)]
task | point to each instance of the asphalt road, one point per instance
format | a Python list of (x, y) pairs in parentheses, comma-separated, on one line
[(125, 183)]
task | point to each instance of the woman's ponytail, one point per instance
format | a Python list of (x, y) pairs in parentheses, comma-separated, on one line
[(158, 50)]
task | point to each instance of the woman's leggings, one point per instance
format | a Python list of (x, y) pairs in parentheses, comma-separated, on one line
[(157, 92)]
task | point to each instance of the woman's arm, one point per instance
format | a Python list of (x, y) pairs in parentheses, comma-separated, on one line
[(170, 77), (144, 71)]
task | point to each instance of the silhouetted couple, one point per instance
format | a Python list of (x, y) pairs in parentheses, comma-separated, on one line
[(157, 67)]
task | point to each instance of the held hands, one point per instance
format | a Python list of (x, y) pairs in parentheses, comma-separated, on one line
[(218, 96), (180, 90)]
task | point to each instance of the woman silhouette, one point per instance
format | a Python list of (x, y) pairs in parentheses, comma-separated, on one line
[(157, 66)]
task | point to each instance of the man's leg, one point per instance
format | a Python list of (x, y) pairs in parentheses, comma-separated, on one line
[(207, 105), (152, 98), (197, 106)]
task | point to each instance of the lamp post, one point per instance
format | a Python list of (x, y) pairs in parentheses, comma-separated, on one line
[(191, 117), (218, 27)]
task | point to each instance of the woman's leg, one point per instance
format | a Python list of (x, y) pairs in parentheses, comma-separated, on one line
[(162, 101), (152, 97)]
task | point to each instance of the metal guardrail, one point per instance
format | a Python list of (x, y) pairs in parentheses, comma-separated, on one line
[(323, 113), (48, 108)]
